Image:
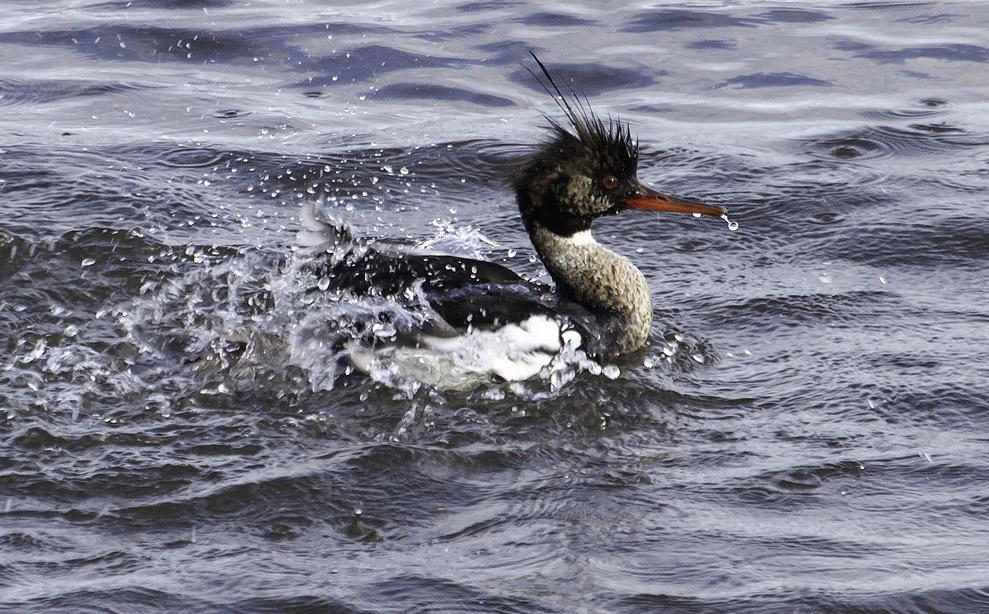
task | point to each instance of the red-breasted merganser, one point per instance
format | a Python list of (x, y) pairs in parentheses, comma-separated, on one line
[(585, 170)]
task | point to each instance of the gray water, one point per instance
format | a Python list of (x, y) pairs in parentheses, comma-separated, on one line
[(805, 431)]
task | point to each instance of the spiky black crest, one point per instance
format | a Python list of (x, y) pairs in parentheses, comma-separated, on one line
[(611, 142), (582, 171)]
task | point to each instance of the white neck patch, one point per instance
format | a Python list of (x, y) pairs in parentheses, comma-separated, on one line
[(580, 239)]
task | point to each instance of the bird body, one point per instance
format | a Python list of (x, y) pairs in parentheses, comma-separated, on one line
[(585, 170)]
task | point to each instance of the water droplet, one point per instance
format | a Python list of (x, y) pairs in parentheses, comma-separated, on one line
[(403, 171), (511, 253), (323, 283), (88, 262), (731, 225)]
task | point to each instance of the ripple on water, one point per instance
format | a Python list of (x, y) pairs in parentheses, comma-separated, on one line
[(144, 43), (230, 113), (548, 19), (950, 52), (876, 142), (775, 79), (27, 92), (712, 43), (802, 479), (193, 157), (368, 62), (950, 240), (180, 5), (812, 186), (902, 601), (74, 188), (591, 78), (419, 91), (926, 107), (794, 15), (430, 592), (679, 19)]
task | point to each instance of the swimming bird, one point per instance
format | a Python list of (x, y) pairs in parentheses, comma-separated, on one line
[(584, 170)]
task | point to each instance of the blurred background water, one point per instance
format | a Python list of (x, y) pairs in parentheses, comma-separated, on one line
[(807, 430)]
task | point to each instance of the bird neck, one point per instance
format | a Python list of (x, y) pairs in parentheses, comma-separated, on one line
[(604, 282)]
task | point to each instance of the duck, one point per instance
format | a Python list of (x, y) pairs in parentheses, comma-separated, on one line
[(585, 169)]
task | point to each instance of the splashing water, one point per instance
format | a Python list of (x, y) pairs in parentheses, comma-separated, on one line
[(257, 314)]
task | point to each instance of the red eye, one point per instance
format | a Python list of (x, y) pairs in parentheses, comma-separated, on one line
[(609, 182)]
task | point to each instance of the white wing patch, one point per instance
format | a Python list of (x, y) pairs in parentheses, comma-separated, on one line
[(514, 352)]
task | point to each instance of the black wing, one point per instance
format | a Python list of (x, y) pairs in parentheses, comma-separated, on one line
[(492, 304), (342, 262), (387, 274)]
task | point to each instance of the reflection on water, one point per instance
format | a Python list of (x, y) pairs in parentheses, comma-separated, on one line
[(803, 431)]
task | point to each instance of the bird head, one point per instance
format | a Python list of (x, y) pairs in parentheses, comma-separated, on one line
[(585, 169)]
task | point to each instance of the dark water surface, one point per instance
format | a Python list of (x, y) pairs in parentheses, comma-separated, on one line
[(807, 431)]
